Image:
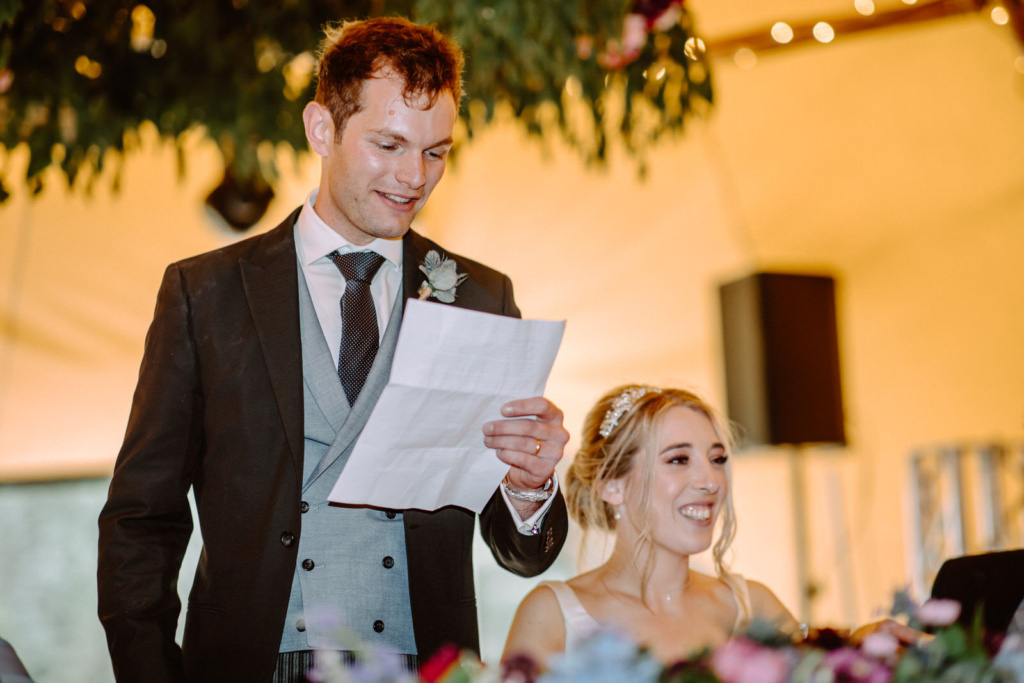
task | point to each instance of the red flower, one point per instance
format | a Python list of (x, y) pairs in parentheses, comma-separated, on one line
[(652, 9), (439, 664)]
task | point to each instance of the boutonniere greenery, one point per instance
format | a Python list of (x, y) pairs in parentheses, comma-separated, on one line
[(442, 278)]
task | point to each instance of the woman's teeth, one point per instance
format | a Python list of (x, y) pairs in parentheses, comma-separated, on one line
[(700, 513)]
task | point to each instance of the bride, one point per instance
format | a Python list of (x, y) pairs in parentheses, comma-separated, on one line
[(654, 469)]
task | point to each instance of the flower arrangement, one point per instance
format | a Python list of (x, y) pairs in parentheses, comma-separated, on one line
[(180, 67), (442, 278), (762, 654)]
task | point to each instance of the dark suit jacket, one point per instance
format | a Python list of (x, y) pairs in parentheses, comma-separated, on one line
[(993, 582), (218, 408)]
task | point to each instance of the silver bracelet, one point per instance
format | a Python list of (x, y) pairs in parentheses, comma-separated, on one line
[(529, 496)]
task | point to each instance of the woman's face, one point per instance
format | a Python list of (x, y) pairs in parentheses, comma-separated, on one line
[(689, 483)]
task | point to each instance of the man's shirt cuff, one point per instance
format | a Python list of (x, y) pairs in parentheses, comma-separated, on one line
[(531, 526)]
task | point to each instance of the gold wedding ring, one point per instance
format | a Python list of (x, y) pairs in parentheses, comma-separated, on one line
[(537, 449)]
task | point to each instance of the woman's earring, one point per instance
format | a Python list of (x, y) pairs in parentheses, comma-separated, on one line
[(618, 511)]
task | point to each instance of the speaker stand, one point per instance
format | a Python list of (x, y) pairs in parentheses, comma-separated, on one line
[(801, 533)]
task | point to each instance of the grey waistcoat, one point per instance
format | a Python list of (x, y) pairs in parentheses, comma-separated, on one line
[(351, 579)]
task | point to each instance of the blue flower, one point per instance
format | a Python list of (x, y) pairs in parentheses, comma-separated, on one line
[(606, 656)]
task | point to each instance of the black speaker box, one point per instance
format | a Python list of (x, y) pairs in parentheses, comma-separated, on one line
[(782, 359)]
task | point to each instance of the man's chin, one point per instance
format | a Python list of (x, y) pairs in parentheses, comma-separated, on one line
[(387, 231)]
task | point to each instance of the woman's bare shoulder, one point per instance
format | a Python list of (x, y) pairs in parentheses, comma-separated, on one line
[(538, 628), (540, 602), (766, 605)]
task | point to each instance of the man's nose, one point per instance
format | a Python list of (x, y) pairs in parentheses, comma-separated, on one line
[(412, 171)]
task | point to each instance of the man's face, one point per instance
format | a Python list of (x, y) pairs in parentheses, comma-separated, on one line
[(390, 155)]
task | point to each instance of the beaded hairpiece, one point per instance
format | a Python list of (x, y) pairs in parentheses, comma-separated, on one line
[(622, 404)]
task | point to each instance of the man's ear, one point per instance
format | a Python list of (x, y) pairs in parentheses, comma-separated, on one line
[(612, 492), (319, 128)]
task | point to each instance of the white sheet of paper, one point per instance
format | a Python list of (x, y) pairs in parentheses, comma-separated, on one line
[(422, 446)]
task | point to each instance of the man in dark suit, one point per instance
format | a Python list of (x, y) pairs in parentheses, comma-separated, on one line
[(992, 582), (252, 393)]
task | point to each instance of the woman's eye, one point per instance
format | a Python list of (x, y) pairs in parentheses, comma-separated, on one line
[(720, 460), (680, 460)]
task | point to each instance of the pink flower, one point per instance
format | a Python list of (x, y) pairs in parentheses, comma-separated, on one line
[(938, 612), (634, 35), (743, 661), (880, 645), (668, 19)]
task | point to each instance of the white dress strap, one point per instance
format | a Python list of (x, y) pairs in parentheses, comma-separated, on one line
[(578, 622)]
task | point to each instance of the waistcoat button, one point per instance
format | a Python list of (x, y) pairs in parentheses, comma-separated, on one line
[(390, 514), (378, 626), (308, 564), (303, 506), (388, 562), (287, 538)]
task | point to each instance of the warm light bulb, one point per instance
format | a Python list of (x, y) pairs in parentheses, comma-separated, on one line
[(573, 87), (745, 58), (694, 48), (864, 7), (823, 33), (87, 67), (1000, 15), (782, 32), (143, 22)]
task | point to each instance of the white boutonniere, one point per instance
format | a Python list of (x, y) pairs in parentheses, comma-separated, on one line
[(442, 278)]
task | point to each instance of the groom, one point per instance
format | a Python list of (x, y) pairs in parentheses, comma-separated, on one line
[(253, 390)]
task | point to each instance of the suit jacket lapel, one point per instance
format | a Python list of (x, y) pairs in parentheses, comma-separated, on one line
[(270, 279), (414, 251), (318, 371)]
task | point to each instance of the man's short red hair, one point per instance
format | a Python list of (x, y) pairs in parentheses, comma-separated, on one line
[(429, 63)]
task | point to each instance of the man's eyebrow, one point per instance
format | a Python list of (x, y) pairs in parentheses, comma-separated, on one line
[(398, 137)]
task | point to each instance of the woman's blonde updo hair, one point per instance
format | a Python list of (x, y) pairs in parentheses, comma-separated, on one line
[(609, 450)]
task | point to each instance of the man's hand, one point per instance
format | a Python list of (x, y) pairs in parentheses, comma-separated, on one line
[(531, 440)]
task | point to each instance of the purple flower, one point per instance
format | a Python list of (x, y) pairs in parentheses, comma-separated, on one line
[(852, 666), (743, 661)]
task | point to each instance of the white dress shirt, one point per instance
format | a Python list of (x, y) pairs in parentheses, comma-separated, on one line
[(314, 240)]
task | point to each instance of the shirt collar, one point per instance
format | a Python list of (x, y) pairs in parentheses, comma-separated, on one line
[(315, 239)]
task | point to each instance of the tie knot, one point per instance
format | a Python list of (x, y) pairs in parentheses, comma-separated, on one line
[(359, 265)]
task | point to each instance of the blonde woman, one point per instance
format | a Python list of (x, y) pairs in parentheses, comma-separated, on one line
[(654, 469)]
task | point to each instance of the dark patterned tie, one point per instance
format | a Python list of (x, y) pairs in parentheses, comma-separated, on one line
[(359, 333)]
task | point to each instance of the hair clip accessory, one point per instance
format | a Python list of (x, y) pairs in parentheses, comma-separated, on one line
[(622, 404)]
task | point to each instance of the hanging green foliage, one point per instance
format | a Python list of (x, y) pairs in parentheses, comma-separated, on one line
[(78, 77)]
